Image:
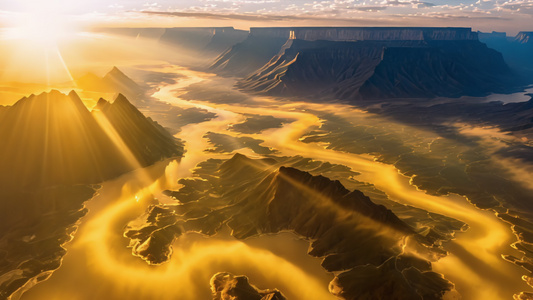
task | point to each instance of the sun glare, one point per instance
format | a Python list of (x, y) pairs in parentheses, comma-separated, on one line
[(43, 29), (34, 34), (44, 22)]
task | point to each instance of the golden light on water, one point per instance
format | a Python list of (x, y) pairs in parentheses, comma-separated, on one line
[(41, 40)]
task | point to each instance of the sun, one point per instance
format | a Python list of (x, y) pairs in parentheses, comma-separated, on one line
[(40, 29), (33, 37), (44, 22)]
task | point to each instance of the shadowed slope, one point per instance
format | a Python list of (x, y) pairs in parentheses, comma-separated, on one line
[(52, 149), (52, 138), (256, 197)]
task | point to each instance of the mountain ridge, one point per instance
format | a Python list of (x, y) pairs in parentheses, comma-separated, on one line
[(381, 70), (75, 147)]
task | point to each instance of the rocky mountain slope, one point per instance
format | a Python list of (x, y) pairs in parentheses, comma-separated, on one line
[(54, 149), (52, 138), (516, 51), (115, 81), (352, 234), (379, 63), (524, 37), (248, 56)]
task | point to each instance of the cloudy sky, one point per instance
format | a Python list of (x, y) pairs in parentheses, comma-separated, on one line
[(486, 15)]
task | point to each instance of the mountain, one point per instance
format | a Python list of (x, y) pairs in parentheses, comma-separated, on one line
[(227, 286), (204, 41), (265, 42), (524, 37), (492, 35), (224, 39), (115, 81), (381, 63), (52, 138), (208, 41), (249, 55), (359, 241), (147, 140), (53, 150), (516, 50)]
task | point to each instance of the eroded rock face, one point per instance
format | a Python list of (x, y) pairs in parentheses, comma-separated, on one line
[(382, 69), (524, 37), (226, 286), (353, 63), (247, 56), (366, 33), (254, 197)]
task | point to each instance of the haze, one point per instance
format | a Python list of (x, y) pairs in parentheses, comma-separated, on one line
[(266, 150)]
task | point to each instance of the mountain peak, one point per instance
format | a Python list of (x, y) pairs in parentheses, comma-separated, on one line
[(101, 104), (73, 93), (120, 99), (116, 72)]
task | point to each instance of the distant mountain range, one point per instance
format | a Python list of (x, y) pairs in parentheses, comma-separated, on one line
[(203, 41), (366, 63), (517, 51), (115, 81)]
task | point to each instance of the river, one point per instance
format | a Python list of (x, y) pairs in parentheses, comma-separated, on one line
[(99, 266)]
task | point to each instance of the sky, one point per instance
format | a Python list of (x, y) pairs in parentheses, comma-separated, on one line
[(485, 15)]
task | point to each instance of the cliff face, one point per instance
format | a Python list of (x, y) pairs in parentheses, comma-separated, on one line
[(366, 33), (248, 56), (492, 35), (381, 69), (314, 67), (263, 44), (440, 70), (524, 37)]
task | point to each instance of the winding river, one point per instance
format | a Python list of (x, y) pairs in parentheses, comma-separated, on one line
[(98, 264)]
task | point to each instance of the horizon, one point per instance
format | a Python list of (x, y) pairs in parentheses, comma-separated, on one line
[(336, 149), (482, 15)]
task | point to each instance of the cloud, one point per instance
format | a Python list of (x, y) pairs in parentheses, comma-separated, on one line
[(266, 17), (521, 6), (370, 8), (413, 3)]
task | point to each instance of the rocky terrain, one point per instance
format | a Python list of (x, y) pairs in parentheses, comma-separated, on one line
[(377, 63), (256, 197), (524, 37), (227, 286), (54, 151)]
